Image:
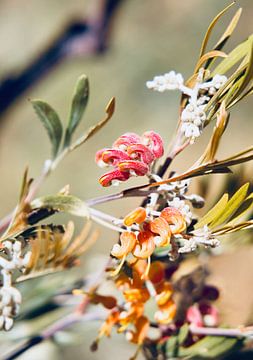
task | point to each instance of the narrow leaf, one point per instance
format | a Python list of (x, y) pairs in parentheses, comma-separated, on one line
[(229, 30), (62, 203), (51, 122), (244, 209), (210, 55), (232, 205), (214, 213), (78, 106), (210, 28), (93, 129), (210, 347)]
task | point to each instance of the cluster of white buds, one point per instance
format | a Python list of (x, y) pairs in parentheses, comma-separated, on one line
[(202, 236), (11, 260), (168, 81), (176, 197), (193, 115)]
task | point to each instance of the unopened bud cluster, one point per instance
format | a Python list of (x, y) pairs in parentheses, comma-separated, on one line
[(130, 155), (11, 260), (193, 116)]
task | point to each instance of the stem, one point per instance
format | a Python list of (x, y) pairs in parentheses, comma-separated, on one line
[(239, 332), (50, 331)]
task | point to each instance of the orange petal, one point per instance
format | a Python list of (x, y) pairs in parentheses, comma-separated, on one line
[(145, 246), (166, 313), (175, 219), (107, 326), (164, 293), (141, 329), (128, 241), (156, 272), (161, 227), (136, 216)]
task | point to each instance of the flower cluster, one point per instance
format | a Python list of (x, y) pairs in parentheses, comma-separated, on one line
[(193, 116), (151, 231), (130, 317), (10, 297), (130, 155)]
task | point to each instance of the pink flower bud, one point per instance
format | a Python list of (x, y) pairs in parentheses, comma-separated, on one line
[(113, 156), (114, 175), (154, 142), (140, 152), (134, 167), (126, 139)]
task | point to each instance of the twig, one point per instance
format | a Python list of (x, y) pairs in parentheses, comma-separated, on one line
[(81, 37), (239, 332), (62, 324)]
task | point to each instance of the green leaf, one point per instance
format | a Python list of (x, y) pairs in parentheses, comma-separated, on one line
[(51, 122), (62, 203), (236, 55), (214, 213), (232, 205), (245, 208), (172, 347), (210, 347), (183, 333), (78, 106)]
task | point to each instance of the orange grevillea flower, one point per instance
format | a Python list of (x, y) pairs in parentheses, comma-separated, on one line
[(129, 316), (130, 155), (152, 233)]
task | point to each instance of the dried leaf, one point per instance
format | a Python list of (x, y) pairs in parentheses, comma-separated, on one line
[(210, 55), (53, 249), (93, 129), (51, 122), (211, 27), (212, 147)]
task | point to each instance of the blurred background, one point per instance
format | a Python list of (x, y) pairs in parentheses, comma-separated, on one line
[(142, 39)]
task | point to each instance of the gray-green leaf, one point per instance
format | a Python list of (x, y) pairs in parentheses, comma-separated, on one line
[(79, 103), (62, 203), (51, 122)]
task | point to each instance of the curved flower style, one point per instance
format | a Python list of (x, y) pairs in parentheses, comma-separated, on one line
[(153, 232), (130, 155)]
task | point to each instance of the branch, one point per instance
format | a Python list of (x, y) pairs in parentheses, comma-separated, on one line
[(81, 37)]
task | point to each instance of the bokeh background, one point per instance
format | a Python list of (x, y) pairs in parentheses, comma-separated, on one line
[(147, 38)]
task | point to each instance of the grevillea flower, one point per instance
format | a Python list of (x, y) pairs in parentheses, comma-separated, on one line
[(130, 155), (129, 316), (153, 232)]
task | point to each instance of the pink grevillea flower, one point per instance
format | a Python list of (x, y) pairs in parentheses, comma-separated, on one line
[(130, 155), (202, 315)]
